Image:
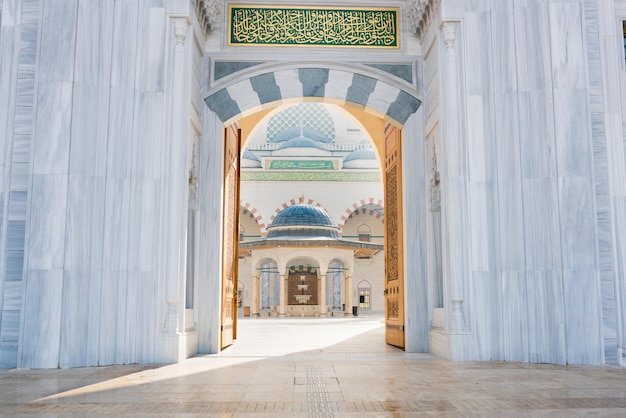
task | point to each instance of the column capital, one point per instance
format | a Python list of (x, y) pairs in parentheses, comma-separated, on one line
[(449, 27), (180, 31)]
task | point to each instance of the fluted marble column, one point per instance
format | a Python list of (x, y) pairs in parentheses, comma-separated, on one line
[(322, 295), (455, 205), (283, 296), (177, 182), (348, 295), (256, 289)]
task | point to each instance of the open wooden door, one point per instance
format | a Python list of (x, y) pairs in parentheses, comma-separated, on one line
[(228, 326), (394, 265)]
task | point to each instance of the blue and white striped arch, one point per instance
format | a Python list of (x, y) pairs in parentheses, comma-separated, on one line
[(361, 89)]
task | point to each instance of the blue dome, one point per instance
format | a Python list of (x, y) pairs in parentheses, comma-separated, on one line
[(361, 154), (301, 142), (302, 221), (249, 155), (305, 131)]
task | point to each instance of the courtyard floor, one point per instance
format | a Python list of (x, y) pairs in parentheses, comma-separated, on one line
[(315, 367)]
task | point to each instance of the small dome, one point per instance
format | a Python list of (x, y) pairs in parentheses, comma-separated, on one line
[(301, 142), (305, 131), (302, 221), (249, 155), (250, 160), (361, 154)]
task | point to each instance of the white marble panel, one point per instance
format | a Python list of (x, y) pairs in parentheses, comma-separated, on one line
[(482, 226), (124, 56), (75, 318), (476, 138), (338, 84), (486, 297), (546, 316), (88, 148), (415, 233), (143, 226), (476, 34), (108, 320), (511, 225), (115, 245), (19, 176), (515, 327), (54, 118), (584, 319), (147, 144), (289, 83), (504, 50), (9, 338), (536, 122), (58, 36), (533, 47), (542, 242), (21, 148), (152, 28), (85, 223), (209, 275), (573, 142), (382, 97), (47, 224), (41, 329), (148, 320), (247, 98), (120, 137), (577, 224), (93, 47), (566, 42)]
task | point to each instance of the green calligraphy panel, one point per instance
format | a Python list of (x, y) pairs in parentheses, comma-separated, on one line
[(301, 165), (293, 26)]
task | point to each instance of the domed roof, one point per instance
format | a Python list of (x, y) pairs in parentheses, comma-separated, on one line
[(361, 154), (301, 142), (249, 155), (302, 221)]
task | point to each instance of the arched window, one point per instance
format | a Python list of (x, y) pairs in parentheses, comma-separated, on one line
[(364, 232), (242, 232), (365, 295)]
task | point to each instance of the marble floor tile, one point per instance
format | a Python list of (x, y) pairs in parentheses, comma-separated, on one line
[(334, 378)]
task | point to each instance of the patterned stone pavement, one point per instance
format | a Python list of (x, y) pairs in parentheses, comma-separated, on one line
[(336, 367)]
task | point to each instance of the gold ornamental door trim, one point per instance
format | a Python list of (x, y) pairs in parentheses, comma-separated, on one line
[(313, 26)]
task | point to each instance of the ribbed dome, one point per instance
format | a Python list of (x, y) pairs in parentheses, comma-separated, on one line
[(302, 221), (301, 142), (361, 154)]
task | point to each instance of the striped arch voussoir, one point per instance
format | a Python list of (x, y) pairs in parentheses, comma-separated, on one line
[(341, 86)]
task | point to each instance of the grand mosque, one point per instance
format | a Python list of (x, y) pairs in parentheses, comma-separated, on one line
[(170, 168)]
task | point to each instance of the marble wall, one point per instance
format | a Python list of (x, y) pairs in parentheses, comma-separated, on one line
[(95, 133), (86, 91), (534, 108), (19, 34)]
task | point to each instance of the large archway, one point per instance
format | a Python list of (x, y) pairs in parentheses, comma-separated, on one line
[(382, 104)]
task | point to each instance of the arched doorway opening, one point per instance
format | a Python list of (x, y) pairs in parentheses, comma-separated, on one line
[(381, 107)]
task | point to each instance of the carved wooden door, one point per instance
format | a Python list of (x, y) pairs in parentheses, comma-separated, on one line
[(228, 330), (394, 263)]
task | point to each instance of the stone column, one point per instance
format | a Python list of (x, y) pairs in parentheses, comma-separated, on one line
[(348, 295), (283, 296), (322, 293), (455, 202), (177, 179), (256, 288)]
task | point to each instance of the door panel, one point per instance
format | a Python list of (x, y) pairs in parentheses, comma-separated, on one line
[(230, 245), (394, 271)]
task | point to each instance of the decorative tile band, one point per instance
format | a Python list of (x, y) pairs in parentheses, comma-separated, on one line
[(309, 176), (302, 164), (312, 26)]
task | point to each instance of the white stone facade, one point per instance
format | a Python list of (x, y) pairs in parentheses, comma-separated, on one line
[(515, 174)]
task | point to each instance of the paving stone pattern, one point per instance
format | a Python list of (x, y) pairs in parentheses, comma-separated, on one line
[(316, 368)]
